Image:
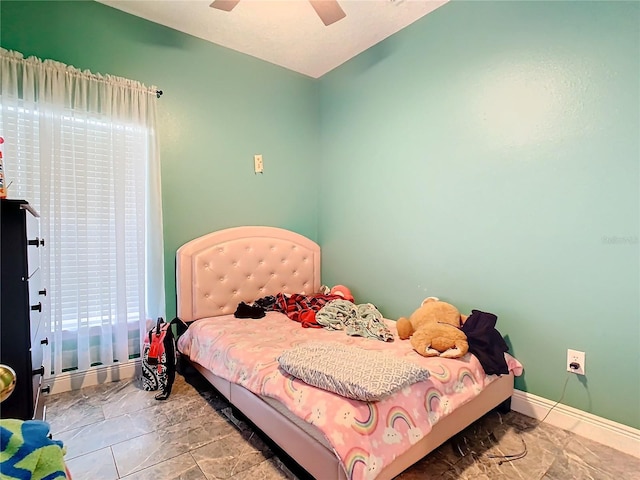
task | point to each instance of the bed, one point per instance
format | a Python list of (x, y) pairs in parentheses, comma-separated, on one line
[(239, 357)]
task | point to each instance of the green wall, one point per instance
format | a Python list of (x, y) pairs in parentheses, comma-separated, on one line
[(489, 155), (219, 108)]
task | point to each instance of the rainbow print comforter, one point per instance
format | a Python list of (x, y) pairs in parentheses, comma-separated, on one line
[(366, 436)]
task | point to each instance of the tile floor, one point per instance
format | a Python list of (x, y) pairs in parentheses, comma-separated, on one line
[(119, 431)]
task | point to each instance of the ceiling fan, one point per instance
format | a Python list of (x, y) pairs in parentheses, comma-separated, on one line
[(329, 11)]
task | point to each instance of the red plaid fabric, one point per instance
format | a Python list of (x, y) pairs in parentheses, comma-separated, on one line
[(302, 308)]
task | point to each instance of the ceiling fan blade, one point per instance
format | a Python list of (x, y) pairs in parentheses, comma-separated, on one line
[(226, 5), (328, 10)]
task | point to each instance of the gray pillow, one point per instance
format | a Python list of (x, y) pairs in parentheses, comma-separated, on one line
[(349, 371)]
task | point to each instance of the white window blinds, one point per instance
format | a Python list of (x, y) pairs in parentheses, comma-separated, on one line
[(91, 186)]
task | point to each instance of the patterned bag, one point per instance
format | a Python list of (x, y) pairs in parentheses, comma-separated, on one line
[(159, 360)]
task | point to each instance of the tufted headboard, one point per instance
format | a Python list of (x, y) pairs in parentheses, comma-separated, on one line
[(217, 271)]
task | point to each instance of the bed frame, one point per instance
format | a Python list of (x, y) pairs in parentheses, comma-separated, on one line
[(217, 271)]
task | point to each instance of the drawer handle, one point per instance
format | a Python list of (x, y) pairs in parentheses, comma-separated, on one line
[(44, 341), (39, 371), (46, 389), (42, 292), (37, 307), (38, 242)]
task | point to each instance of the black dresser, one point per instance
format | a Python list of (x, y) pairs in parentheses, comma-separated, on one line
[(22, 297)]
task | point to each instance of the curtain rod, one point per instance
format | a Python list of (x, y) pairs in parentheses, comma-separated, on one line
[(18, 57)]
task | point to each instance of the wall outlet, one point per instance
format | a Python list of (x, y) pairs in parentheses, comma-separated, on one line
[(576, 362), (258, 166)]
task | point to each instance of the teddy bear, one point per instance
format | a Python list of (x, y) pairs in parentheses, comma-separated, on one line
[(434, 330)]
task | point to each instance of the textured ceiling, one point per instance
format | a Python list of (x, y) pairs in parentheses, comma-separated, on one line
[(285, 32)]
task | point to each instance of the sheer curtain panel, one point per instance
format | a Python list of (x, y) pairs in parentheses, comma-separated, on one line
[(83, 149)]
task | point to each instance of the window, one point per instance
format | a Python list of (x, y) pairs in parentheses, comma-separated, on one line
[(84, 239), (82, 150)]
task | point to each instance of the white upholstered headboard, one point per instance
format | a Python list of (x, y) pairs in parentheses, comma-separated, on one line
[(217, 271)]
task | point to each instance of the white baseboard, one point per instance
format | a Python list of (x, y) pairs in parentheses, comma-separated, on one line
[(94, 376), (615, 435)]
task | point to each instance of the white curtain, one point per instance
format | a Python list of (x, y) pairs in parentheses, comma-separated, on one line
[(82, 148)]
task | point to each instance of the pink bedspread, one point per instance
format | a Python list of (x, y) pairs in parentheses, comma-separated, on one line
[(366, 436)]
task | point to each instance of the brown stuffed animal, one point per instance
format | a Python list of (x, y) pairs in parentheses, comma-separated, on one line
[(434, 329)]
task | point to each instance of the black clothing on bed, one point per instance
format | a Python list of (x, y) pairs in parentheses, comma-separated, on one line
[(257, 309), (267, 302), (248, 311), (485, 342)]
